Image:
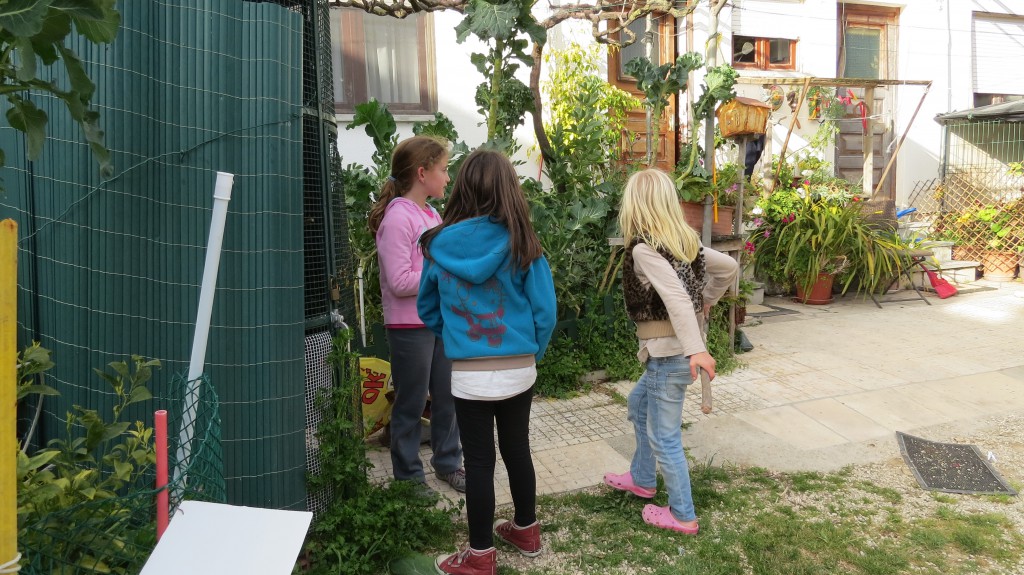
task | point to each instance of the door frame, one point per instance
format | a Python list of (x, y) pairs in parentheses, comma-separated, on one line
[(886, 20), (668, 132)]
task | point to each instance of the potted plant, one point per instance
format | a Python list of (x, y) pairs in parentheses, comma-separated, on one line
[(818, 238), (991, 234), (722, 187)]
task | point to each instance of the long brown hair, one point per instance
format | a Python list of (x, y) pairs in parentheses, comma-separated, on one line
[(409, 155), (487, 185)]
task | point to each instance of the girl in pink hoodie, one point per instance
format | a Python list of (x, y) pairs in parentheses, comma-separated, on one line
[(419, 170)]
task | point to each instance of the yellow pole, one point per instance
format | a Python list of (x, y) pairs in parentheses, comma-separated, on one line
[(8, 385)]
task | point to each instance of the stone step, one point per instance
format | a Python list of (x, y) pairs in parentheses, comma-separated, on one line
[(955, 271)]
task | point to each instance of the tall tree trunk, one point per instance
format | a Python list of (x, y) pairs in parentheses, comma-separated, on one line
[(538, 105)]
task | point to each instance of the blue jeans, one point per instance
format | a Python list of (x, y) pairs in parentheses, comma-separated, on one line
[(656, 410)]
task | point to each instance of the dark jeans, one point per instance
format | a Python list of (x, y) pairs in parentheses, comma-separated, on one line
[(419, 366), (476, 422)]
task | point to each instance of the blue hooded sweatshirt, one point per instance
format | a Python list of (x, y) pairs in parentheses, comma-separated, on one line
[(478, 300)]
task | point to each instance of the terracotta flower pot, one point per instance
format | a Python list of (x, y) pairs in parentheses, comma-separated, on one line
[(821, 291), (694, 214), (999, 266)]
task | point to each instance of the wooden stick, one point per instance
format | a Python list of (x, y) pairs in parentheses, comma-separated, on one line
[(899, 144), (705, 379), (785, 143)]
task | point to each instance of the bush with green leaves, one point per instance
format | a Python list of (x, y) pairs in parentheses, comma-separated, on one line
[(364, 526), (97, 461)]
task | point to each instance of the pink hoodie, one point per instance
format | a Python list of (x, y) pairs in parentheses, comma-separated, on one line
[(400, 258)]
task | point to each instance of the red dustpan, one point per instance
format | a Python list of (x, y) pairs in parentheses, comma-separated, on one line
[(942, 288)]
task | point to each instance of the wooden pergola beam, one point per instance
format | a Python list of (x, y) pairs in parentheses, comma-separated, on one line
[(868, 142), (828, 82)]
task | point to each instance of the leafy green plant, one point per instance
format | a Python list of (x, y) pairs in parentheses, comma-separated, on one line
[(658, 83), (575, 218), (97, 460), (1002, 225), (35, 31), (821, 236), (503, 98), (577, 79), (364, 526)]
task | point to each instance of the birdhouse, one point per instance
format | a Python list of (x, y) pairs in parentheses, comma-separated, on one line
[(743, 116)]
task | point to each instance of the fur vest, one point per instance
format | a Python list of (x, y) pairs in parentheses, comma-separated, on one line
[(643, 304)]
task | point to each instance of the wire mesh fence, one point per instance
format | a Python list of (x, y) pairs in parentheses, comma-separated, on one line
[(978, 204), (116, 533)]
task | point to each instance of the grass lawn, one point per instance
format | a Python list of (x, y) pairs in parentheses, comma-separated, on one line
[(758, 522)]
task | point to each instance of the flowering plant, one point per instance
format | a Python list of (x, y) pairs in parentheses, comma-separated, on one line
[(800, 234)]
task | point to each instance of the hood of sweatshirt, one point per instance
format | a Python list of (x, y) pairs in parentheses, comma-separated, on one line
[(472, 250)]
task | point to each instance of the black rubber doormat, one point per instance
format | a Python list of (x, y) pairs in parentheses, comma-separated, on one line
[(951, 467), (772, 311)]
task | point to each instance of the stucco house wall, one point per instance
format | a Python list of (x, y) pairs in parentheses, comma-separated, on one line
[(934, 42)]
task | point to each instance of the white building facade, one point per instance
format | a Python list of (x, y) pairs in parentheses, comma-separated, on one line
[(970, 50)]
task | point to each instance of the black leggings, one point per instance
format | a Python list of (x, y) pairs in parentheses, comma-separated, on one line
[(476, 426)]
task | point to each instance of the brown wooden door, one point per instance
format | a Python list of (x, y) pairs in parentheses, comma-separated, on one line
[(867, 50), (634, 143)]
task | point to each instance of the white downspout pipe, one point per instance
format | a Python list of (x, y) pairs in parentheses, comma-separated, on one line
[(221, 197)]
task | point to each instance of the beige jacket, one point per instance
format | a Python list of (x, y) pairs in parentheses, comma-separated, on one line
[(654, 270)]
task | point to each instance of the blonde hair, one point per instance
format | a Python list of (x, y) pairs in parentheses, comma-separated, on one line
[(651, 213)]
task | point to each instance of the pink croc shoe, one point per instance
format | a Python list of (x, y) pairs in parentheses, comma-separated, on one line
[(624, 482), (662, 517)]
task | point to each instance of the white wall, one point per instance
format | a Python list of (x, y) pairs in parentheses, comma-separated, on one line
[(934, 42), (812, 24), (457, 79)]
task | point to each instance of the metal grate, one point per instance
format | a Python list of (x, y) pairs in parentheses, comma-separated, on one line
[(326, 254), (319, 377)]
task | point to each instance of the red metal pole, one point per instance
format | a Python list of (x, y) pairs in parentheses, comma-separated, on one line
[(162, 499)]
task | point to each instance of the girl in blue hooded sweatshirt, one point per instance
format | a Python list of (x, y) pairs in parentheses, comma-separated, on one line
[(486, 289)]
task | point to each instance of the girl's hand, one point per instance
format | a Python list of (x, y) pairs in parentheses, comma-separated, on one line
[(702, 360)]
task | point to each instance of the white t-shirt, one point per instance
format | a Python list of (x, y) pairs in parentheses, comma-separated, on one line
[(493, 385)]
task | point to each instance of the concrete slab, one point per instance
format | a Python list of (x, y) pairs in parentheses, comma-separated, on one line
[(730, 440), (576, 467), (1015, 372), (892, 411), (849, 423), (993, 392), (792, 426), (865, 377)]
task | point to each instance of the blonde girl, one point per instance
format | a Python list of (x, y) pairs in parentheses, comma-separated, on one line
[(670, 283)]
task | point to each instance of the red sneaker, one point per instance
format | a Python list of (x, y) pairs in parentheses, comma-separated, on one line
[(469, 562), (525, 539)]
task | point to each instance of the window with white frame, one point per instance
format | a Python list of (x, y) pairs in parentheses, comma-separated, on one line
[(389, 59)]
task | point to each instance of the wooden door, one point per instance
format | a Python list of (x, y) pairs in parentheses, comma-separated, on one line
[(634, 143), (867, 50)]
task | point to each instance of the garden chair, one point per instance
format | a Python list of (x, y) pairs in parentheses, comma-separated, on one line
[(880, 214)]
